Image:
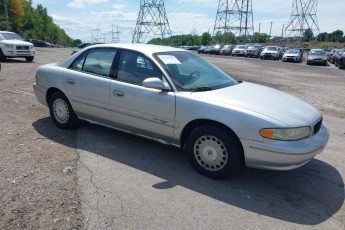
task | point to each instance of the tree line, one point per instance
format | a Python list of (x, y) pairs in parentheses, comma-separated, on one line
[(31, 22), (230, 38), (207, 39)]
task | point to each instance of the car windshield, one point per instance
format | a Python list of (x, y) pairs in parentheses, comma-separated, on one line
[(317, 52), (271, 48), (240, 47), (11, 36), (292, 51), (190, 72)]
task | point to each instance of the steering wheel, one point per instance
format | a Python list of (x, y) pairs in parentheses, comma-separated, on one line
[(193, 76)]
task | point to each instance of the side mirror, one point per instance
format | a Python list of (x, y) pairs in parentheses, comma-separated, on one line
[(155, 83)]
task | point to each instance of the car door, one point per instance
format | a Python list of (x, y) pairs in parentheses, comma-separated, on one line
[(144, 111), (88, 83)]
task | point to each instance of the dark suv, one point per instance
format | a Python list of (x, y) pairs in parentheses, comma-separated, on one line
[(339, 59), (253, 51)]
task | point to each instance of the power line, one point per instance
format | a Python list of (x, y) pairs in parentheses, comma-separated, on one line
[(115, 34), (234, 16), (303, 17), (152, 20)]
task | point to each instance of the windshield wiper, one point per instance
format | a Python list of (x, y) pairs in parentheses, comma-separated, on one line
[(200, 89)]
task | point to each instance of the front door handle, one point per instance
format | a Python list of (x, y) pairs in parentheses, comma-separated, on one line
[(118, 93), (70, 81)]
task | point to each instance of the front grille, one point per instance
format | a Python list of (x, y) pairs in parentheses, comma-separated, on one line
[(317, 126), (23, 47)]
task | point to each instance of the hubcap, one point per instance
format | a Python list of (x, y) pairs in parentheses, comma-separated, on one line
[(210, 153), (61, 111)]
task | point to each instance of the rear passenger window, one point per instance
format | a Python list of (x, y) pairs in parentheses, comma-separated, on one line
[(96, 61), (99, 61)]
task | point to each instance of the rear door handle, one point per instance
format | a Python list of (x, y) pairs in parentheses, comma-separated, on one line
[(70, 81), (118, 93)]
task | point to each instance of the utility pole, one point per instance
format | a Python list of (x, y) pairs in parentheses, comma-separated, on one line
[(260, 28), (281, 40), (234, 16), (303, 17), (115, 34), (271, 29), (152, 20)]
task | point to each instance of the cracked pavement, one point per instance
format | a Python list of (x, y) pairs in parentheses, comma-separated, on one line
[(120, 181)]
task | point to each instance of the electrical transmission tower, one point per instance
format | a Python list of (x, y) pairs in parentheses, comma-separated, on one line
[(152, 20), (303, 17), (234, 16), (115, 35)]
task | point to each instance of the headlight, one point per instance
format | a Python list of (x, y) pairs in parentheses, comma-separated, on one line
[(10, 46), (32, 47), (288, 134)]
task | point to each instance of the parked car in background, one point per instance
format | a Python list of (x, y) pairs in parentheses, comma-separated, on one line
[(202, 49), (330, 57), (13, 46), (271, 52), (340, 59), (226, 50), (293, 55), (216, 49), (208, 50), (175, 97), (239, 50), (253, 51), (317, 57)]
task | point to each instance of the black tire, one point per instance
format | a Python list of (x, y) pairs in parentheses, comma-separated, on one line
[(229, 161), (29, 59), (2, 56), (71, 119)]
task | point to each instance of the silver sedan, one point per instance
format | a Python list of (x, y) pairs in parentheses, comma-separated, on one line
[(175, 97)]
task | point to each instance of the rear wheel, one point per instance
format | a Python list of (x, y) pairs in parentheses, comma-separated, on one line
[(62, 112), (214, 152)]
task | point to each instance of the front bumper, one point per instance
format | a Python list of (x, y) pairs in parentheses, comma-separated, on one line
[(40, 93), (317, 61), (293, 59), (19, 53), (239, 52), (269, 56), (284, 155)]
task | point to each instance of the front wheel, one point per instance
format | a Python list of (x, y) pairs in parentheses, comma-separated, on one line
[(214, 152), (62, 112), (2, 56), (29, 59)]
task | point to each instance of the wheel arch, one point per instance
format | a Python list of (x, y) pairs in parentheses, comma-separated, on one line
[(51, 91), (195, 123)]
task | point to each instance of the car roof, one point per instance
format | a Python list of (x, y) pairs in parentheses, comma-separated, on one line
[(9, 32), (143, 48)]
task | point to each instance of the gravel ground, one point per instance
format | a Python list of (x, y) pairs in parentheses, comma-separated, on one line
[(37, 176), (96, 178)]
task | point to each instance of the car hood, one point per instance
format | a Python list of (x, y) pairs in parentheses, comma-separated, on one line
[(317, 57), (17, 42), (270, 51), (291, 55), (280, 106)]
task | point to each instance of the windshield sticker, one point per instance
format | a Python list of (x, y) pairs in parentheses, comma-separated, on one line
[(169, 59)]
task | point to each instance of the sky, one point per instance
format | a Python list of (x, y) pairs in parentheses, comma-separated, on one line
[(91, 19)]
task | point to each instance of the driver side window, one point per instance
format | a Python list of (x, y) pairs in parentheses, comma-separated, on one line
[(135, 68)]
